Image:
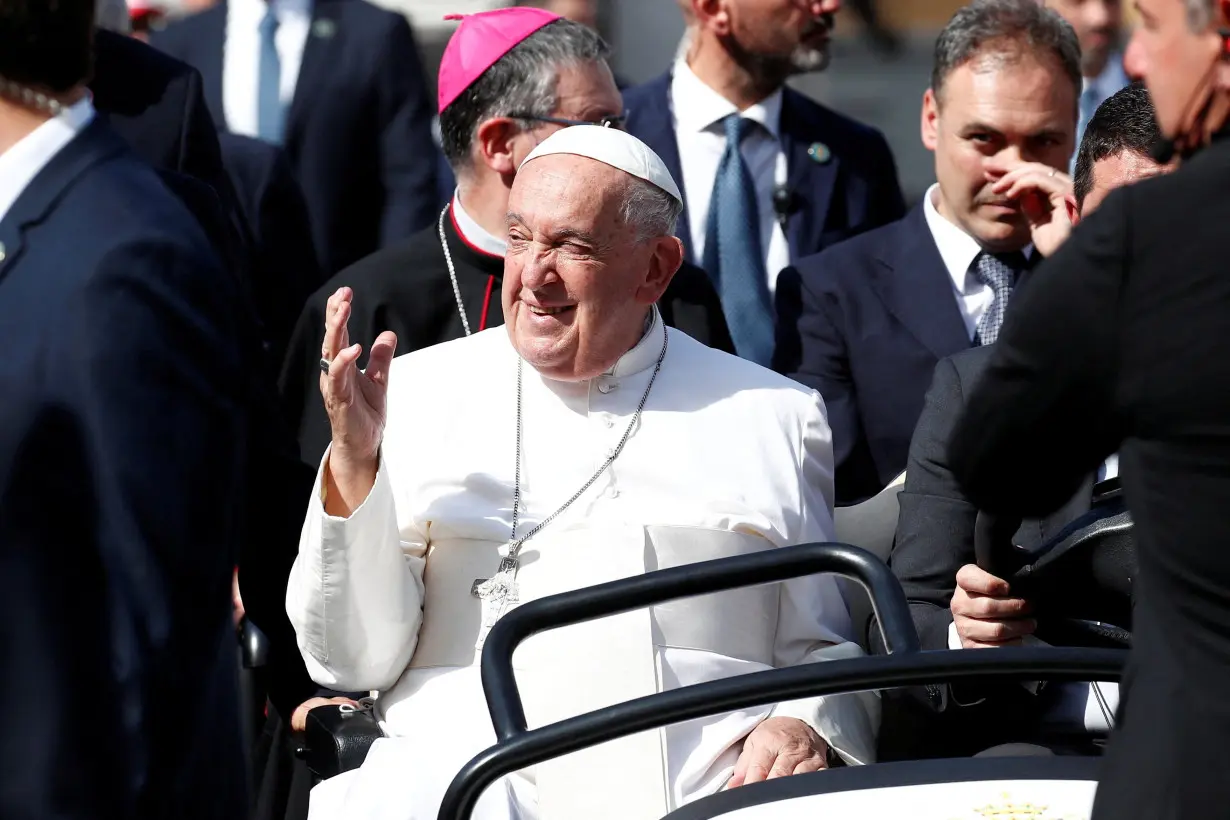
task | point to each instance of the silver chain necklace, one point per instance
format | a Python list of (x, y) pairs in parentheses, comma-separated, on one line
[(452, 272), (501, 589)]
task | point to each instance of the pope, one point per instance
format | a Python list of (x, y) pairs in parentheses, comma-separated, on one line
[(584, 441)]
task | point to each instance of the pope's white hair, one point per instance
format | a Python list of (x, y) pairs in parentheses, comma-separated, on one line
[(650, 210), (112, 15)]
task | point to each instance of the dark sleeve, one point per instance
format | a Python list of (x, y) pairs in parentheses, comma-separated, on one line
[(299, 382), (284, 257), (200, 155), (152, 365), (824, 365), (935, 528), (408, 153), (1043, 416)]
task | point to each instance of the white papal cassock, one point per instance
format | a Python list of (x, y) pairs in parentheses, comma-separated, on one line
[(728, 458)]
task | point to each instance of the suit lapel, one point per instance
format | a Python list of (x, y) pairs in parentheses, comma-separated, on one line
[(914, 286), (810, 180), (658, 132), (320, 55), (94, 144)]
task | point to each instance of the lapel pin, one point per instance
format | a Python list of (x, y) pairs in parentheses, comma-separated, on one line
[(2, 252), (324, 28), (819, 153)]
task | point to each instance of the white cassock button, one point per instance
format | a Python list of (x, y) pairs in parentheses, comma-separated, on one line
[(614, 493), (610, 423), (607, 387)]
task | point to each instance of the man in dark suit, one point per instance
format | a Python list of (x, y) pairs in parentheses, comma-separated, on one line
[(955, 604), (122, 444), (340, 85), (880, 310), (282, 259), (797, 179), (1119, 345)]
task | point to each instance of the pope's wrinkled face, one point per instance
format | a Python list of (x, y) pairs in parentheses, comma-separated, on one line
[(992, 114), (578, 281)]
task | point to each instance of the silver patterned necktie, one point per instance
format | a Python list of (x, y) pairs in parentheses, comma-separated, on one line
[(998, 272)]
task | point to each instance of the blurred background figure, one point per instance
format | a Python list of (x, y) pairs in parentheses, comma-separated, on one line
[(339, 84), (584, 12), (1098, 25), (768, 175), (121, 456), (882, 38)]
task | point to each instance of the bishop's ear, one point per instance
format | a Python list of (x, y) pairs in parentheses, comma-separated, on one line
[(495, 144)]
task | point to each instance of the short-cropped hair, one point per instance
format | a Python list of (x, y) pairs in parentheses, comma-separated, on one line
[(47, 44), (1005, 29), (1125, 122), (523, 81)]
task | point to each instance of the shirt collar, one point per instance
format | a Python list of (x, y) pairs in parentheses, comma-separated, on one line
[(475, 235), (645, 354), (21, 164), (957, 249), (697, 107), (254, 10)]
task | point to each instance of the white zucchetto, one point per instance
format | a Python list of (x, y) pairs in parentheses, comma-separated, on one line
[(610, 146)]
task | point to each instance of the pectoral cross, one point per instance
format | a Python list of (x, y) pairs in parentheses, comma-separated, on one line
[(496, 593)]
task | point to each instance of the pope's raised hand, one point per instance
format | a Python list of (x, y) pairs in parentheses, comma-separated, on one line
[(354, 400)]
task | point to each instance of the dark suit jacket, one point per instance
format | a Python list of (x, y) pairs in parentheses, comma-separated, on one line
[(122, 440), (358, 131), (154, 102), (935, 538), (283, 261), (852, 191), (878, 313), (1120, 344)]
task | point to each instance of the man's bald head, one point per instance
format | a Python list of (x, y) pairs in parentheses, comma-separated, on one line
[(590, 250)]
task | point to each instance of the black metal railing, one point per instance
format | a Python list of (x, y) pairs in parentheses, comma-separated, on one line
[(518, 748)]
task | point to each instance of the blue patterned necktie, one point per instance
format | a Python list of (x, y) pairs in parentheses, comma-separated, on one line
[(998, 272), (270, 114), (734, 258)]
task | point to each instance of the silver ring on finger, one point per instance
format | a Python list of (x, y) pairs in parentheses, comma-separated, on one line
[(324, 365), (1052, 172)]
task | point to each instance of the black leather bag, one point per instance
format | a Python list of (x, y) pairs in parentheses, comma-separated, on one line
[(338, 738)]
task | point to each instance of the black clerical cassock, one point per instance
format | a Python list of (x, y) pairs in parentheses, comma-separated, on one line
[(407, 289)]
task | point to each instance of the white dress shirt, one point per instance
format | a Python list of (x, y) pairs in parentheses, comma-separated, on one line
[(382, 600), (20, 164), (697, 112), (241, 56), (959, 250)]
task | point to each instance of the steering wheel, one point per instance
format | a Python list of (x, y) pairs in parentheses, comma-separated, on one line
[(1080, 582)]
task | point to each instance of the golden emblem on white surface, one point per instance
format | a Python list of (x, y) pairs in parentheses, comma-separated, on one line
[(1008, 809)]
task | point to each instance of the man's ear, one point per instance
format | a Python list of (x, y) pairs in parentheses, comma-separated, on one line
[(494, 143), (930, 120), (713, 15), (663, 265), (1074, 211)]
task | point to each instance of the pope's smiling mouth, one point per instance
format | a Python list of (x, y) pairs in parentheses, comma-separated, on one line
[(545, 311)]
